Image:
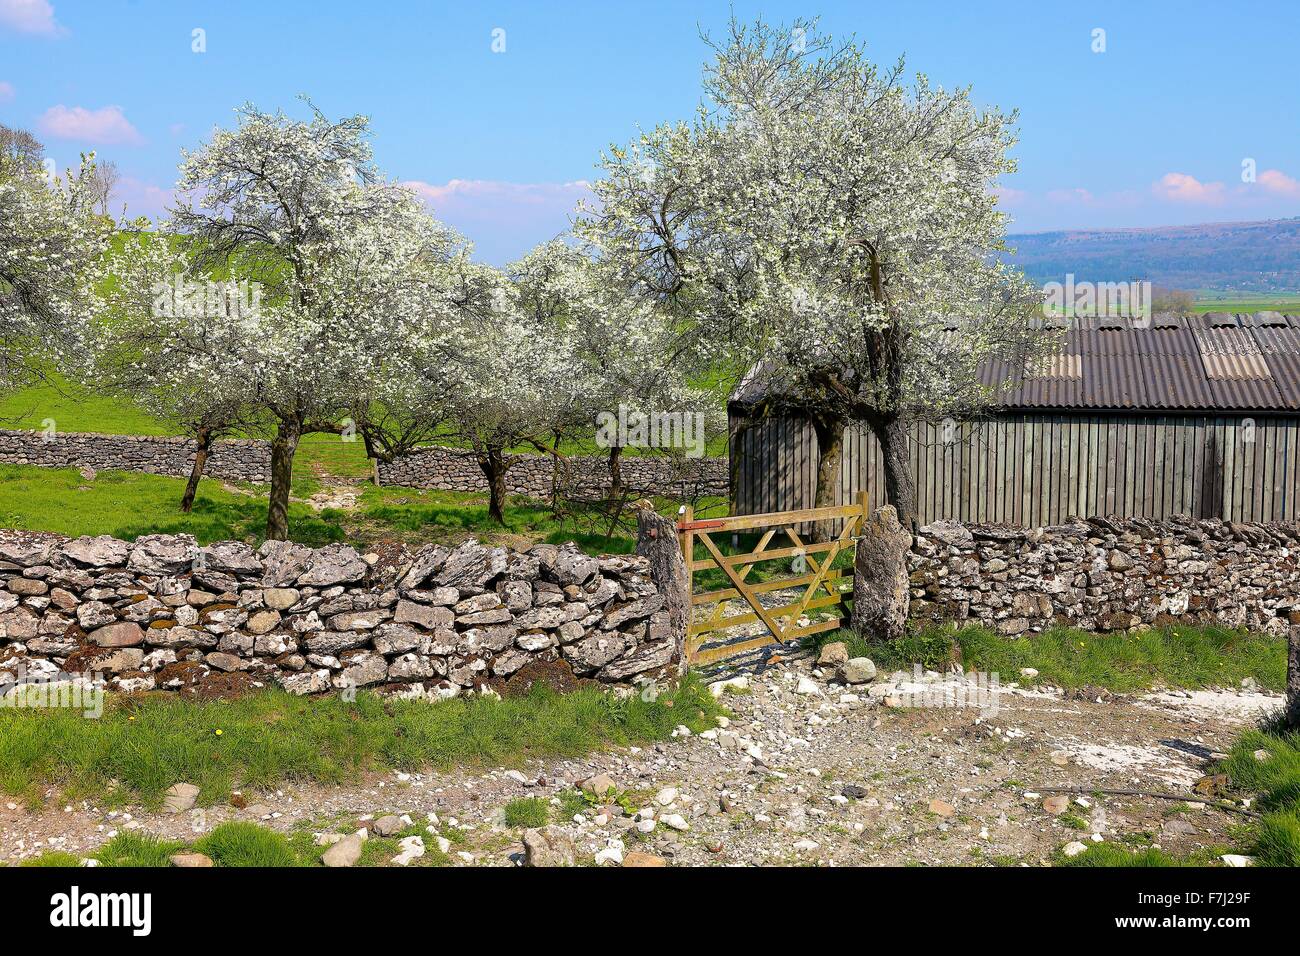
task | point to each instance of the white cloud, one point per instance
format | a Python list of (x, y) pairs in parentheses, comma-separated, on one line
[(1276, 181), (7, 93), (1180, 187), (107, 125), (30, 16)]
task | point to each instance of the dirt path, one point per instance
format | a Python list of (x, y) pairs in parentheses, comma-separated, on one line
[(824, 775)]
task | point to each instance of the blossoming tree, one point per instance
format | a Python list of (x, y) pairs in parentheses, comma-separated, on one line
[(340, 252), (516, 380), (822, 218), (164, 338), (51, 246), (627, 354)]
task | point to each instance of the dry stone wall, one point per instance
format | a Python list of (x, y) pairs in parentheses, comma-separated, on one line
[(444, 469), (449, 469), (162, 613), (1106, 574), (236, 459)]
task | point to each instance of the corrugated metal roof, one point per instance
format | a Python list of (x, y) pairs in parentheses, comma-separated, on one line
[(1220, 361), (1207, 362), (1281, 350)]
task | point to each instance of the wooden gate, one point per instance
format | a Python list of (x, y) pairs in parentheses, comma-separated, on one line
[(822, 584)]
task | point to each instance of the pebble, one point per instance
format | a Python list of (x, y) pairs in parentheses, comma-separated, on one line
[(412, 848)]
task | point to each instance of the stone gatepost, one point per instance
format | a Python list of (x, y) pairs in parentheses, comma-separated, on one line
[(656, 539), (881, 591)]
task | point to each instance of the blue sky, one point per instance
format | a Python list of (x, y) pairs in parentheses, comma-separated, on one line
[(1152, 131)]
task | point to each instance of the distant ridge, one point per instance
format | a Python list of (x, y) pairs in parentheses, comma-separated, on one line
[(1229, 256)]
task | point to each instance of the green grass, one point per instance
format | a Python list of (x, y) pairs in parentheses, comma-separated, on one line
[(60, 500), (75, 410), (1276, 780), (1233, 302), (56, 858), (1188, 657), (379, 851), (127, 505), (139, 748), (451, 516), (528, 812), (1114, 854), (238, 843), (134, 848)]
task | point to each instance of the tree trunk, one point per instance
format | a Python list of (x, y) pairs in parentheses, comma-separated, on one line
[(615, 473), (830, 452), (559, 475), (492, 463), (895, 455), (1291, 714), (283, 447), (204, 437)]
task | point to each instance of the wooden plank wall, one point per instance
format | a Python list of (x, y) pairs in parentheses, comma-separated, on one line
[(1031, 470)]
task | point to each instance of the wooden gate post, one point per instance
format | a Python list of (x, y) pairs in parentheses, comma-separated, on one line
[(656, 539)]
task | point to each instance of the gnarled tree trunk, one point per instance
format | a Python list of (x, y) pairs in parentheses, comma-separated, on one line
[(283, 448), (830, 453), (615, 472), (891, 432), (494, 465), (204, 437)]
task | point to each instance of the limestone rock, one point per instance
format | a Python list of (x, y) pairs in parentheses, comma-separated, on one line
[(333, 564), (548, 846), (180, 797), (858, 670), (833, 655), (163, 553), (638, 858), (346, 852), (121, 634)]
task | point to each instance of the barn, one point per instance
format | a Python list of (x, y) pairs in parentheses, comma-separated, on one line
[(1194, 415)]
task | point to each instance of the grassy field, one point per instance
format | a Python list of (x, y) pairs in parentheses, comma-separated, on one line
[(1188, 657), (128, 504), (141, 746), (1232, 302)]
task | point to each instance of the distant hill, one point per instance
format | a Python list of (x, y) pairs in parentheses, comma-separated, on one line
[(1255, 257)]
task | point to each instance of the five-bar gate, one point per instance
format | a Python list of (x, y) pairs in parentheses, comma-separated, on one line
[(822, 584)]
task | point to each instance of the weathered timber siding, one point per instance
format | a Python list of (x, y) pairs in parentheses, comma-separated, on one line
[(1040, 469)]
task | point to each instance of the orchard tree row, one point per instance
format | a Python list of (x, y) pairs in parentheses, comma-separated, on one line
[(818, 222)]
